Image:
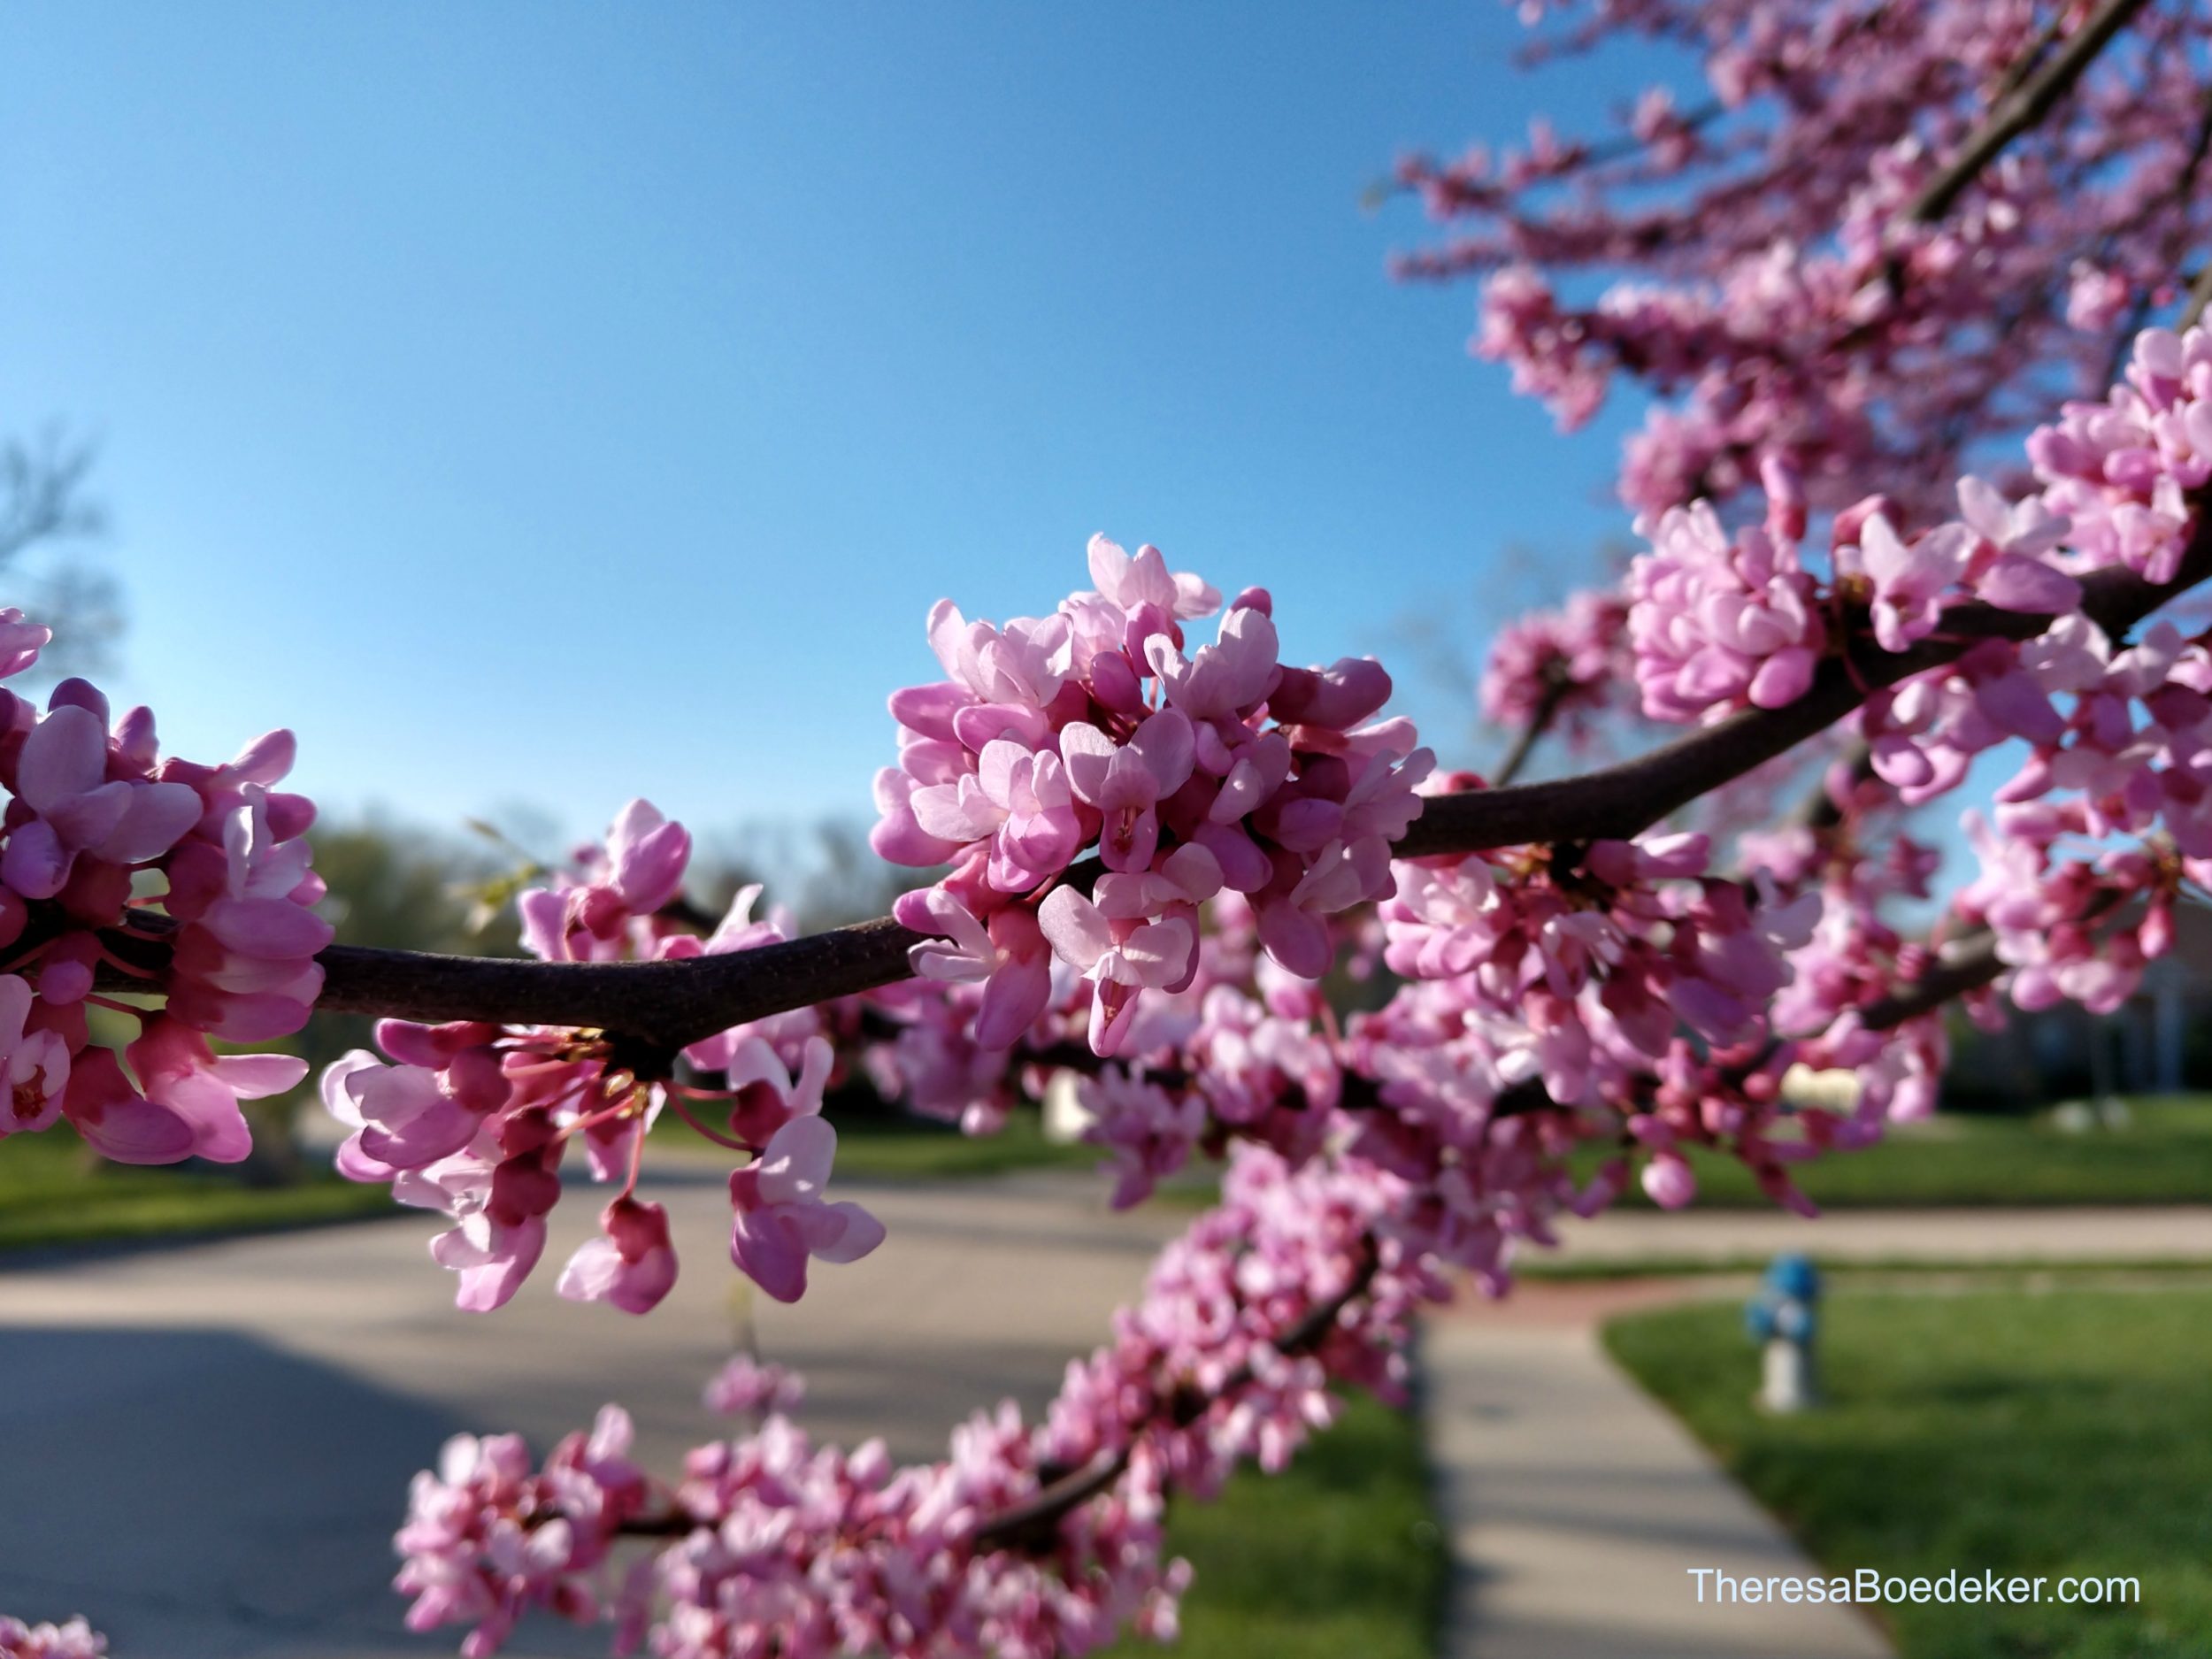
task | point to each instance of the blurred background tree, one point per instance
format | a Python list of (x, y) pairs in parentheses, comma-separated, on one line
[(47, 517)]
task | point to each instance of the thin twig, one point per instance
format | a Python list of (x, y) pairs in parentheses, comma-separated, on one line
[(1540, 720)]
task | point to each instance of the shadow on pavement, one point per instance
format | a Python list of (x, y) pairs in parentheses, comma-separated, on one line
[(199, 1494)]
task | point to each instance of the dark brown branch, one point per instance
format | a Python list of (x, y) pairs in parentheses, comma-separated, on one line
[(1539, 721), (1621, 802), (1032, 1523), (673, 1003), (2021, 108)]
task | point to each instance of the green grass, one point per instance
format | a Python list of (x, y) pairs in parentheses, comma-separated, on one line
[(2039, 1434), (913, 1148), (1337, 1557), (877, 1144), (2164, 1157), (52, 1193), (1843, 1269)]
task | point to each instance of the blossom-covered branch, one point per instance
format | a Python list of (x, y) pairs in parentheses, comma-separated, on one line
[(674, 1003)]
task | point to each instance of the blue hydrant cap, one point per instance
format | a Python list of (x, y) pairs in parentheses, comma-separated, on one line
[(1794, 1276)]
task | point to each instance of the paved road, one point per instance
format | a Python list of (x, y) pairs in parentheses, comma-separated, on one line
[(206, 1449)]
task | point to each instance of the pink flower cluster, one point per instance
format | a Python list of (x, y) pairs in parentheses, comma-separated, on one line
[(76, 1639), (475, 1120), (1586, 967), (1717, 623), (746, 1387), (94, 818), (2117, 472), (805, 1550), (2131, 749), (1561, 668), (1768, 262), (488, 1536), (1222, 770)]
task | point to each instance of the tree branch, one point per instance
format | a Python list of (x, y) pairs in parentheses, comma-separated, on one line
[(1540, 720), (2021, 108), (673, 1003), (1621, 802), (1032, 1523)]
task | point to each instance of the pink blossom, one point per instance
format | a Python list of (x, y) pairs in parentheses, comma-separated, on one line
[(781, 1217), (178, 1071), (62, 777), (20, 641), (488, 1536), (36, 1063), (1119, 958), (1714, 625), (1908, 580), (1009, 956), (1222, 679), (746, 1387), (1668, 1181), (629, 1264), (245, 959), (646, 857), (490, 1256), (1131, 583), (76, 1638), (1125, 782)]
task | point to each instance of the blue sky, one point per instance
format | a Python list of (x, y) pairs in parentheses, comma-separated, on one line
[(554, 403)]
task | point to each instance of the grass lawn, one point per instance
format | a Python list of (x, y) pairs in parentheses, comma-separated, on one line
[(884, 1145), (877, 1146), (50, 1193), (2164, 1157), (1336, 1558), (2060, 1433)]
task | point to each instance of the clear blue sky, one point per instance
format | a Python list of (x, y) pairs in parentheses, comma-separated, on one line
[(552, 402)]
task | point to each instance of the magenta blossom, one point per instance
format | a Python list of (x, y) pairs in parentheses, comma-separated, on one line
[(76, 1639), (491, 1256), (630, 1264), (62, 777), (1222, 679), (1127, 781), (782, 1219), (1131, 583), (1120, 957), (646, 855), (1008, 956), (1908, 580), (178, 1071), (746, 1387), (36, 1063)]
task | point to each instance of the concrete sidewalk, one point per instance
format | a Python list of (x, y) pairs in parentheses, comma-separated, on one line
[(206, 1449), (1576, 1506)]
